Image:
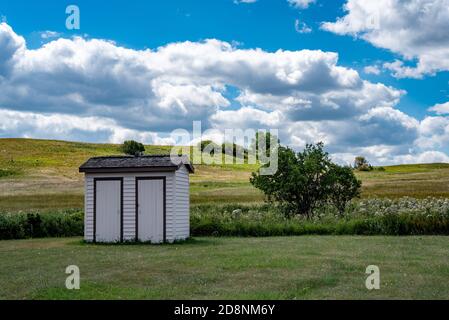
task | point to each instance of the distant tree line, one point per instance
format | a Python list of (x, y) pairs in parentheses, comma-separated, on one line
[(266, 140), (362, 164)]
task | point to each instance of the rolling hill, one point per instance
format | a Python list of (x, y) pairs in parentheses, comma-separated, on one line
[(43, 174)]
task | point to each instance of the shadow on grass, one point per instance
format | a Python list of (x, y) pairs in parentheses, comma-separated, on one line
[(189, 241)]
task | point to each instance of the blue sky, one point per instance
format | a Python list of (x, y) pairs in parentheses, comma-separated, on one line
[(266, 24), (270, 26)]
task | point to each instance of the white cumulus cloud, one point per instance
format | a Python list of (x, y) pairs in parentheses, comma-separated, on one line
[(302, 27), (95, 90), (440, 109), (372, 70), (301, 4), (414, 29)]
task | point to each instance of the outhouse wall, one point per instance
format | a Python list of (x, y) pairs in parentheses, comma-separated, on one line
[(177, 203), (182, 198)]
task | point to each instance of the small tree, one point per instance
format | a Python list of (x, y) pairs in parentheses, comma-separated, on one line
[(307, 180), (298, 184), (234, 150), (270, 141), (343, 187), (133, 148), (208, 146), (361, 164)]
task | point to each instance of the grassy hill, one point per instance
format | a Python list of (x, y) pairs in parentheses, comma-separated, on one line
[(43, 174)]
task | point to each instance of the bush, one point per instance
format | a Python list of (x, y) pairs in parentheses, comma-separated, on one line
[(307, 180), (234, 150), (366, 217), (406, 216), (264, 143), (230, 149), (133, 148), (208, 146), (7, 173), (343, 186), (40, 225), (361, 164), (365, 167)]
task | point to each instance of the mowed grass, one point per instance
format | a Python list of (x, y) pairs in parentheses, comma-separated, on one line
[(43, 174), (307, 267)]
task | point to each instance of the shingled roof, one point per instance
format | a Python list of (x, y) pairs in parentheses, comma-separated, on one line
[(134, 164)]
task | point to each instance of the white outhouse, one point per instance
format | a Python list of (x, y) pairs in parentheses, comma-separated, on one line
[(141, 198)]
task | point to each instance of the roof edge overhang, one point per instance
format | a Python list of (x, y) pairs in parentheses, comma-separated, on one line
[(136, 169), (128, 170)]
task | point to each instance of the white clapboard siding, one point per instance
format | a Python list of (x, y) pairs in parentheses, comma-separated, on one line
[(129, 204), (182, 224), (89, 209)]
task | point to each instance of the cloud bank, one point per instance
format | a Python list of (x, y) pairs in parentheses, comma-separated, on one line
[(417, 30), (95, 90)]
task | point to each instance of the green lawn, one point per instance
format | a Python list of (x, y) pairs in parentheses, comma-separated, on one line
[(307, 267)]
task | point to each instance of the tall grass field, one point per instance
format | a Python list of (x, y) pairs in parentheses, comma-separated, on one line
[(43, 174), (405, 216)]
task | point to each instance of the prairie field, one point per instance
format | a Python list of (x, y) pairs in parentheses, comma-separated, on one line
[(43, 174)]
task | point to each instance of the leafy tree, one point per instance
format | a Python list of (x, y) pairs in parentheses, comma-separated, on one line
[(297, 184), (230, 149), (361, 164), (132, 147), (270, 140), (235, 150), (306, 180), (342, 186), (207, 146)]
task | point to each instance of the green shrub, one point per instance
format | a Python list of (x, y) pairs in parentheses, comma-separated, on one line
[(234, 150), (40, 225), (133, 148), (306, 180), (208, 146), (361, 164), (405, 216), (8, 173)]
